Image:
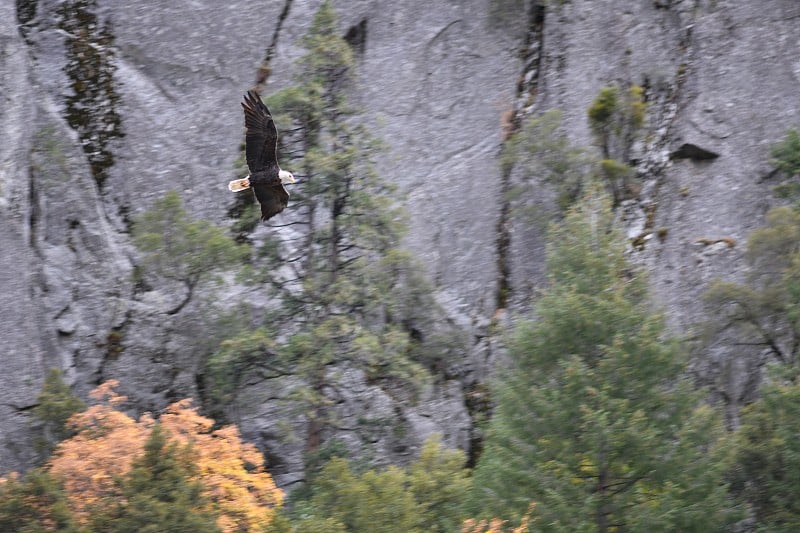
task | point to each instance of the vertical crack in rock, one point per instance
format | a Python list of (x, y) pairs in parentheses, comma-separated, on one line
[(264, 70), (525, 99), (91, 108), (26, 15), (33, 213), (478, 395)]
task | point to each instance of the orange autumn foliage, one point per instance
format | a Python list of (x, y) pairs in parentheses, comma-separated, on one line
[(495, 525), (108, 441), (106, 444), (231, 470)]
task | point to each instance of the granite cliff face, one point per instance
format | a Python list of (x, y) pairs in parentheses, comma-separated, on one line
[(438, 83)]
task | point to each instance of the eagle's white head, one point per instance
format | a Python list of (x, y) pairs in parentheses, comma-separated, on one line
[(286, 176)]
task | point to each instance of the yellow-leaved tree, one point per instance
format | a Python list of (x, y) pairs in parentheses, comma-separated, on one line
[(244, 493), (108, 441)]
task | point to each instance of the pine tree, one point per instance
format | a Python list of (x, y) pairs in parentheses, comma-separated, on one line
[(440, 485), (593, 421), (765, 313), (766, 471), (159, 493), (544, 151), (615, 118), (766, 310), (182, 249), (55, 404), (33, 505), (426, 496), (349, 296)]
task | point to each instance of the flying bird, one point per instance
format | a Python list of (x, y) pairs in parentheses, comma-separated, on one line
[(261, 146)]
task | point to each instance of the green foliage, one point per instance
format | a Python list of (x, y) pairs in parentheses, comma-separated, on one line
[(33, 505), (248, 350), (767, 460), (428, 496), (613, 171), (593, 420), (181, 249), (329, 58), (766, 310), (786, 158), (374, 501), (786, 154), (603, 109), (440, 485), (545, 152), (55, 404), (158, 494)]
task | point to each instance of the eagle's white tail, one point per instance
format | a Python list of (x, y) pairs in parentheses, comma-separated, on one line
[(239, 185)]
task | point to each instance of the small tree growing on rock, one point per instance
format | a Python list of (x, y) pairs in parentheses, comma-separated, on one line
[(181, 249), (615, 118), (56, 403), (786, 158), (545, 152)]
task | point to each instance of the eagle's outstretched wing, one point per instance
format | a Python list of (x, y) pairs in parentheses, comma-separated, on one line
[(261, 136), (273, 199)]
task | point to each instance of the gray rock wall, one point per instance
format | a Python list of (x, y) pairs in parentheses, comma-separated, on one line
[(721, 75), (22, 350), (437, 78)]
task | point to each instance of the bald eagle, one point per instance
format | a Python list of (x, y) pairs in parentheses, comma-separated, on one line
[(261, 143)]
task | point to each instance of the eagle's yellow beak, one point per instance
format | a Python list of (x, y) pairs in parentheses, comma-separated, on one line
[(286, 176)]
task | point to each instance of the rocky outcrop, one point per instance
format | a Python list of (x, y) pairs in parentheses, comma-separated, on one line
[(694, 152)]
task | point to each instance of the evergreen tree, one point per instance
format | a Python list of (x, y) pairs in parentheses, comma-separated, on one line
[(765, 312), (374, 501), (55, 404), (766, 309), (33, 505), (440, 484), (786, 158), (349, 296), (182, 249), (427, 496), (767, 467), (593, 420), (544, 151), (158, 493)]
